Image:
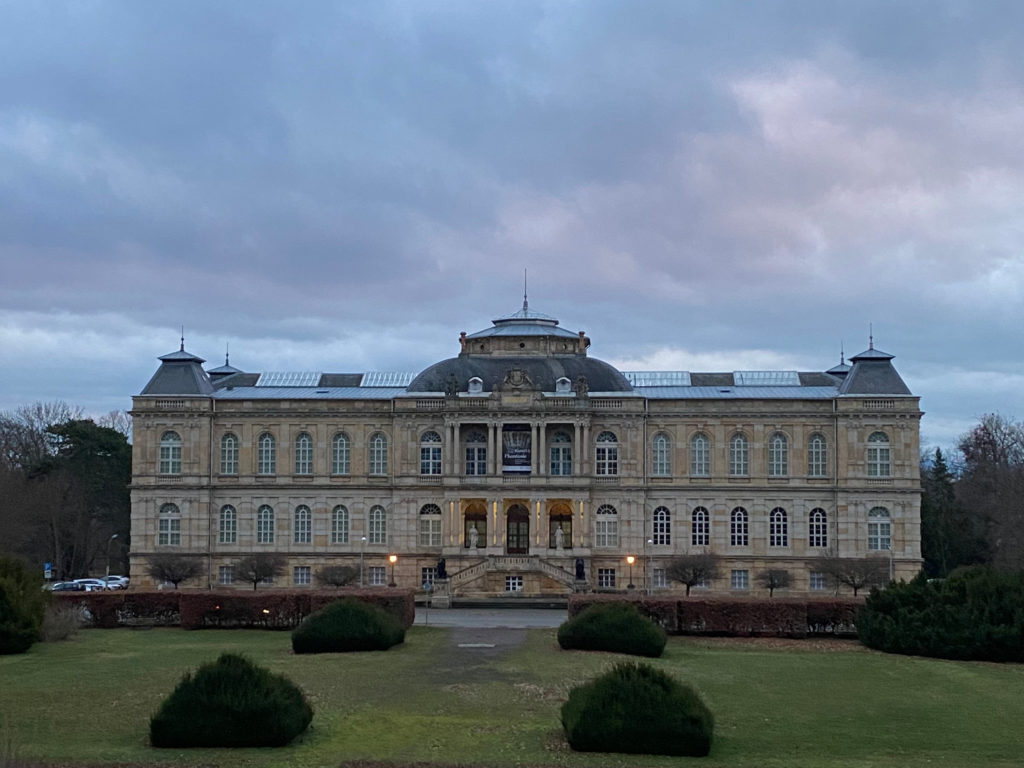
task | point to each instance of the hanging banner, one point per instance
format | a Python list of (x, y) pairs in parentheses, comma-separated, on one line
[(515, 449)]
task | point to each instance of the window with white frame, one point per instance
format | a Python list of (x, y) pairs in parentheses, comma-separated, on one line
[(265, 525), (606, 578), (341, 454), (170, 453), (430, 454), (817, 581), (169, 526), (661, 459), (378, 454), (513, 583), (700, 455), (659, 578), (229, 454), (303, 528), (266, 455), (227, 528), (739, 579), (561, 454), (378, 525), (606, 457), (879, 529), (739, 455), (817, 528), (268, 580), (817, 456), (606, 526), (778, 528), (428, 575), (302, 575), (662, 521), (303, 454), (226, 574), (339, 525), (700, 527), (878, 455), (476, 453), (430, 525), (739, 528), (377, 575), (778, 455)]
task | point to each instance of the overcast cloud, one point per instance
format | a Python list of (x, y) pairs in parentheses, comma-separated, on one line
[(346, 186)]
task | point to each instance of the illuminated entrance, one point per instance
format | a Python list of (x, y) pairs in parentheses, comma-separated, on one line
[(517, 538)]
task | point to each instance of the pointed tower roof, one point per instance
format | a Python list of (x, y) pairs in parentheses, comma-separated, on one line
[(223, 370), (873, 373), (180, 373)]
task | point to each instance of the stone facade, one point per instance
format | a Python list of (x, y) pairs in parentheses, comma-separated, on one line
[(519, 436)]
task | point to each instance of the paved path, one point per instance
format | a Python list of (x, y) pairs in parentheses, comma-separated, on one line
[(490, 618)]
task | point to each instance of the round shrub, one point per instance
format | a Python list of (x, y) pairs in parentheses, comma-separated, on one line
[(231, 703), (348, 625), (616, 627), (22, 604), (637, 709)]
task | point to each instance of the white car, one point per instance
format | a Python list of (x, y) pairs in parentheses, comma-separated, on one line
[(92, 585), (116, 582)]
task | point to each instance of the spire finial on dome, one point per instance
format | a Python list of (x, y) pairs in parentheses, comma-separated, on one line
[(227, 353), (871, 336), (182, 338), (526, 304), (842, 353)]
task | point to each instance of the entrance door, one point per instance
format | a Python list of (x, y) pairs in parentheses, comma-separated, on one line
[(517, 539)]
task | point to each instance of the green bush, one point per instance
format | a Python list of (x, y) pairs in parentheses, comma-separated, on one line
[(231, 703), (976, 613), (617, 627), (637, 709), (22, 604), (347, 625)]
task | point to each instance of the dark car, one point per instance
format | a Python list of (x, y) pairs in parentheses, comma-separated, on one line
[(68, 586)]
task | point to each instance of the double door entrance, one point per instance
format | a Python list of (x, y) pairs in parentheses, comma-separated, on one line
[(517, 530)]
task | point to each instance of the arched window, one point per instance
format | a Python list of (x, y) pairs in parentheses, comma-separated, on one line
[(430, 454), (817, 456), (878, 455), (170, 453), (341, 455), (739, 455), (378, 454), (339, 525), (561, 454), (430, 525), (739, 528), (266, 458), (303, 454), (662, 527), (606, 457), (378, 528), (303, 528), (700, 455), (229, 454), (879, 530), (227, 529), (606, 526), (817, 528), (661, 460), (476, 452), (778, 528), (169, 531), (700, 527), (778, 455), (265, 525)]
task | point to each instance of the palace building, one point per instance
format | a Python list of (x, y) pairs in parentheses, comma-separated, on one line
[(524, 465)]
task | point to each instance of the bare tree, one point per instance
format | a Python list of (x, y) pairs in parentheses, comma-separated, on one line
[(256, 568), (855, 572), (693, 570), (774, 578), (336, 575), (24, 440), (120, 421), (173, 568)]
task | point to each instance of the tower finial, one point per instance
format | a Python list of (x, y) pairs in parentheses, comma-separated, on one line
[(526, 304), (227, 353), (871, 336), (183, 337), (842, 353)]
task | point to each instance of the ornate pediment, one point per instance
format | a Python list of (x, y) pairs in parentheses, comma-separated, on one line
[(517, 379)]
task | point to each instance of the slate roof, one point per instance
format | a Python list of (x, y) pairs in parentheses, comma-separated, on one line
[(542, 372), (180, 373)]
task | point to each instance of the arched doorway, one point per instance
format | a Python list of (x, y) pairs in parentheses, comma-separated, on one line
[(517, 538)]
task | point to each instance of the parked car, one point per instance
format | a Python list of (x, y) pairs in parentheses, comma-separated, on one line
[(116, 582), (92, 585), (68, 586)]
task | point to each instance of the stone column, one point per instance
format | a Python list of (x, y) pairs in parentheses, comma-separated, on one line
[(492, 452), (577, 451), (542, 451), (534, 456)]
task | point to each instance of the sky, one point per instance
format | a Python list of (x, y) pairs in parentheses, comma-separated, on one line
[(345, 186)]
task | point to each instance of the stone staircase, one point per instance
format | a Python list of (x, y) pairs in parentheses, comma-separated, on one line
[(458, 581)]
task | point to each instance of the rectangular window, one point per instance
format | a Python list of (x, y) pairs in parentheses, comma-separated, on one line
[(513, 583), (606, 532), (302, 575), (739, 580), (267, 580), (606, 460), (879, 536), (170, 532), (659, 580), (817, 581), (430, 531), (378, 576), (430, 460), (606, 578), (561, 460), (428, 575), (226, 574), (476, 460)]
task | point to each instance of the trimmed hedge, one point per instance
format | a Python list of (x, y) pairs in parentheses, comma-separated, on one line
[(231, 703), (976, 613), (637, 709), (349, 625), (784, 617), (617, 627)]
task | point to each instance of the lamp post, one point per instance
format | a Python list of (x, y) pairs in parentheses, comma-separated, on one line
[(630, 559), (362, 548), (109, 542), (392, 559)]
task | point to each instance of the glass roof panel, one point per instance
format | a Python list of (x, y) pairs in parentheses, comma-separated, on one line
[(387, 379), (289, 379), (658, 378), (766, 378)]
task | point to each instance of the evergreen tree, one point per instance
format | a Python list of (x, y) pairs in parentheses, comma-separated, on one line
[(950, 537)]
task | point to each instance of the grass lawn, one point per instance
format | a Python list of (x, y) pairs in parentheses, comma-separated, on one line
[(88, 702)]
